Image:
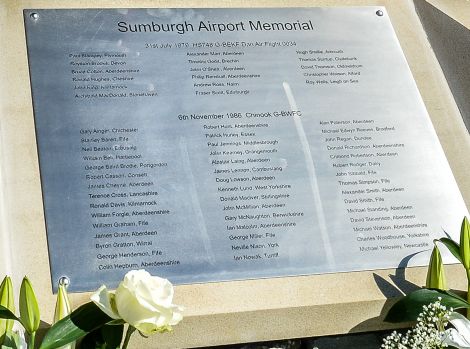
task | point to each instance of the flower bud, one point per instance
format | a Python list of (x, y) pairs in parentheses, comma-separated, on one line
[(465, 243), (62, 309), (62, 306), (29, 310), (436, 277), (6, 300)]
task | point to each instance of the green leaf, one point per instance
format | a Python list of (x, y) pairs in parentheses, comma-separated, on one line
[(83, 320), (29, 309), (7, 314), (93, 340), (452, 246), (112, 335), (409, 307), (465, 243), (106, 337)]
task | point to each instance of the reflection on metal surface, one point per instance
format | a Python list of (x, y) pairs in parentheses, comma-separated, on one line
[(312, 176), (221, 144)]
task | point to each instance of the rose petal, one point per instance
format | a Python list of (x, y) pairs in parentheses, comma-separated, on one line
[(177, 315), (153, 289), (105, 300), (131, 308), (147, 328), (161, 291)]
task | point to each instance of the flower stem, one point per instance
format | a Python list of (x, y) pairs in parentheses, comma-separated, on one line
[(32, 337), (129, 332), (468, 292)]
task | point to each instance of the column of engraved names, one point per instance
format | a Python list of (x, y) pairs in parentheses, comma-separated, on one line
[(329, 67), (375, 201), (123, 200), (219, 72), (253, 191), (104, 75)]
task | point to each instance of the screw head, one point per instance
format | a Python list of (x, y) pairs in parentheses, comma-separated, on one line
[(64, 280), (379, 13), (34, 16)]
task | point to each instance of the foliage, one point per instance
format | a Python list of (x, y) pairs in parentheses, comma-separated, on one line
[(433, 307), (408, 308), (428, 332), (89, 323)]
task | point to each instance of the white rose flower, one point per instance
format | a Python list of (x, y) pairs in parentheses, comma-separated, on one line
[(142, 300)]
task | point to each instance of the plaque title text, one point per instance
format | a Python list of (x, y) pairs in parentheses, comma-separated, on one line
[(207, 26)]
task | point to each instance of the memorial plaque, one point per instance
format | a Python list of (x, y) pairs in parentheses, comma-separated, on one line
[(221, 144)]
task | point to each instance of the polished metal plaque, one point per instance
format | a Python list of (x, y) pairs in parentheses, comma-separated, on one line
[(220, 144)]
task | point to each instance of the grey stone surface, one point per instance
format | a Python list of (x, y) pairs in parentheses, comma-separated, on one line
[(450, 41)]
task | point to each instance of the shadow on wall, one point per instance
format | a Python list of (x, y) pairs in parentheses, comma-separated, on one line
[(450, 41), (392, 291)]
